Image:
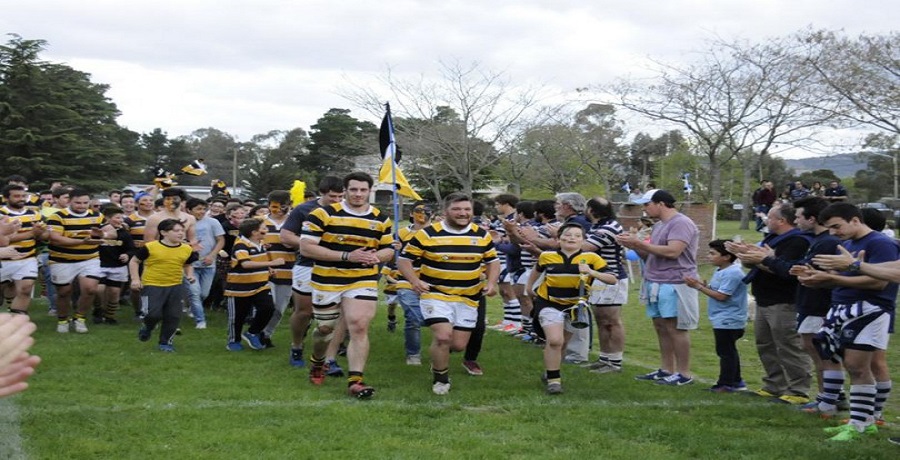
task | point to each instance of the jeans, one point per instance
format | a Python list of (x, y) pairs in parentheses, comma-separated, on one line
[(729, 359), (199, 290), (44, 262), (412, 328)]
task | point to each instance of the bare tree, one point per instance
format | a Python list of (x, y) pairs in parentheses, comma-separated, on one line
[(490, 112)]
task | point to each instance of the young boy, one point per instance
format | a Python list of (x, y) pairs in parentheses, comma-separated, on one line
[(727, 311), (114, 257), (558, 292), (247, 286)]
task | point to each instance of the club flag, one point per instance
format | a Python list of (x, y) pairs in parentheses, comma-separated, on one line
[(389, 169), (686, 177), (403, 188), (196, 168)]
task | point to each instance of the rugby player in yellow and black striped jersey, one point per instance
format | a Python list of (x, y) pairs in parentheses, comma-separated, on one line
[(347, 240), (247, 285), (75, 236), (137, 220), (452, 255), (282, 276), (561, 272), (22, 272)]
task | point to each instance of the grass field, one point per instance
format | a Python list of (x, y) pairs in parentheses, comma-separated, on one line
[(106, 395)]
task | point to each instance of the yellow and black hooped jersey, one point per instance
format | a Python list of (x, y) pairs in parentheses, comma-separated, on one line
[(561, 277), (163, 264), (136, 226), (243, 281), (283, 273), (451, 262), (28, 218), (340, 229), (78, 226), (404, 234)]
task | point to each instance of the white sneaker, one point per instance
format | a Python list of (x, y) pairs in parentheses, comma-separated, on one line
[(62, 327), (440, 388), (201, 325), (80, 326), (413, 360)]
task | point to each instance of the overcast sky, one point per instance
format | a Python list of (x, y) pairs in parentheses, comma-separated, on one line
[(247, 67)]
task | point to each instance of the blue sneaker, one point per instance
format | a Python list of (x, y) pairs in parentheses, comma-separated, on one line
[(166, 348), (234, 346), (675, 380), (333, 369), (741, 386), (658, 374), (296, 358), (253, 340), (144, 333)]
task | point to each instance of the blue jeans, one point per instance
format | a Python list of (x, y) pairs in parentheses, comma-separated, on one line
[(44, 262), (409, 301), (199, 290)]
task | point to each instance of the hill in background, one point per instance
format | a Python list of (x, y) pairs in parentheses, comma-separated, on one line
[(844, 165)]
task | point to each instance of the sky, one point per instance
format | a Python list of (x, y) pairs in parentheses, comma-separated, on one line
[(249, 67)]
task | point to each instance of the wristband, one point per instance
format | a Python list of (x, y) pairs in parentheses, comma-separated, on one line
[(345, 256)]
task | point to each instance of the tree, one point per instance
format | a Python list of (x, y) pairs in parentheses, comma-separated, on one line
[(55, 124), (336, 142), (269, 161), (489, 113)]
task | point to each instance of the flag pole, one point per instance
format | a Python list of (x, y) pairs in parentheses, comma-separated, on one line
[(392, 150)]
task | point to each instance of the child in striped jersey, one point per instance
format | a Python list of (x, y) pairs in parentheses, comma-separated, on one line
[(557, 291), (247, 286), (280, 281)]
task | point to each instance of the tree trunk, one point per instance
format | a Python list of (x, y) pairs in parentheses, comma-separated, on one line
[(745, 197)]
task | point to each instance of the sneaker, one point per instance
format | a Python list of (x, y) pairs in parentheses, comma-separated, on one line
[(200, 325), (658, 374), (676, 380), (529, 337), (266, 341), (850, 433), (253, 341), (440, 388), (333, 369), (472, 368), (414, 360), (878, 421), (392, 325), (143, 333), (764, 394), (894, 441), (317, 375), (165, 347), (296, 358), (342, 350), (234, 346), (62, 327), (605, 368), (80, 325), (498, 326), (554, 388), (509, 328), (843, 404), (813, 408), (870, 429), (721, 389), (741, 386), (600, 362), (794, 400), (360, 390)]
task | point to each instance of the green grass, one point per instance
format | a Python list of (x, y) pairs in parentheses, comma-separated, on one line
[(106, 395)]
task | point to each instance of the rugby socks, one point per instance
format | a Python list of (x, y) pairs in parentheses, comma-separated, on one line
[(441, 375), (554, 376), (512, 312), (614, 359), (882, 391), (862, 405), (354, 378), (832, 383)]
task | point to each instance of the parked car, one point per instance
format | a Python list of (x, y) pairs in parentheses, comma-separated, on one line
[(885, 211)]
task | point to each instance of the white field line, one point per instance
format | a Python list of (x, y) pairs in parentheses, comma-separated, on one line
[(10, 431)]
